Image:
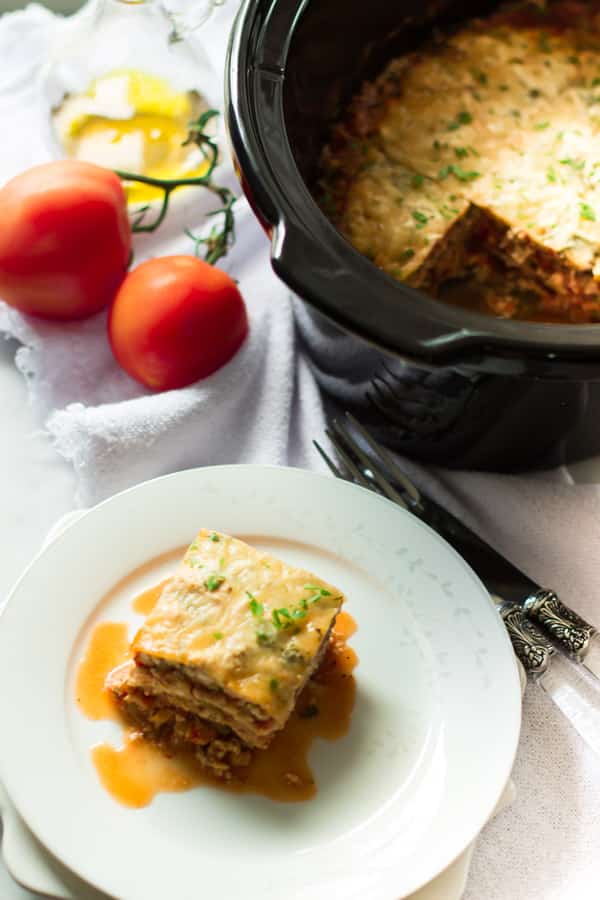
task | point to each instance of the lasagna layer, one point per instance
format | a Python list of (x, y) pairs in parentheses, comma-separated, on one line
[(181, 686), (174, 727), (234, 637)]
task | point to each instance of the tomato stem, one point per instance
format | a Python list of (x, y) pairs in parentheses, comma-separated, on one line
[(219, 240)]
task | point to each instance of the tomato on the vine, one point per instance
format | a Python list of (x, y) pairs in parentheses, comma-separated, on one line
[(174, 320), (65, 239)]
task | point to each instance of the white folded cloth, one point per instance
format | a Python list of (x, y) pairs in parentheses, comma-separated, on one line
[(264, 406)]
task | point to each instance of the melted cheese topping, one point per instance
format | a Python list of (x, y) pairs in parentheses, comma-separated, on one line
[(246, 622), (504, 115)]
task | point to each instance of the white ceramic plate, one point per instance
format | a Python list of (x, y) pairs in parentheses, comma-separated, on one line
[(433, 735)]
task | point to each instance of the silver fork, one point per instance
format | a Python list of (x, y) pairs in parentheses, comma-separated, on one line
[(523, 604)]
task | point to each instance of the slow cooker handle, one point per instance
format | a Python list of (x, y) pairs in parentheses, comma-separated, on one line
[(391, 315)]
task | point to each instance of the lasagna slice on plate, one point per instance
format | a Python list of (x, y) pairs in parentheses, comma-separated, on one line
[(220, 661)]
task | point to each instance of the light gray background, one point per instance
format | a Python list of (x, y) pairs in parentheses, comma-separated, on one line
[(36, 487)]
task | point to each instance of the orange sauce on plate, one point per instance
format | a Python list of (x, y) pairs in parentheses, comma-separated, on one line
[(145, 602), (136, 771), (108, 648)]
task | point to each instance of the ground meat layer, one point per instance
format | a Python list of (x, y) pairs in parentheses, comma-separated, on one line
[(216, 747)]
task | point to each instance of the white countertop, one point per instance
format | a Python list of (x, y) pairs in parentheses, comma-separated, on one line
[(36, 488)]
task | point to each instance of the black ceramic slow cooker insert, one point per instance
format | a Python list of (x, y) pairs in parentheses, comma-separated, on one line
[(437, 382)]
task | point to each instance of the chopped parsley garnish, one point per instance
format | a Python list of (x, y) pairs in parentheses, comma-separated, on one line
[(458, 173), (194, 546), (595, 82), (256, 608), (264, 639), (218, 635), (541, 126), (551, 175), (439, 146), (420, 218), (222, 562), (448, 212), (273, 684), (292, 654), (462, 118), (534, 93), (281, 617), (214, 582), (577, 164), (407, 254), (481, 77), (195, 564), (417, 181), (573, 59), (215, 538), (587, 212), (504, 87), (319, 592), (544, 43), (461, 152), (310, 711), (286, 618)]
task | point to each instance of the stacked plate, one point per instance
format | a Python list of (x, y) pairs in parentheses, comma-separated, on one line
[(401, 797)]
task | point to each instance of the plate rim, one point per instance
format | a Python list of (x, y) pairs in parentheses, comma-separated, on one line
[(299, 473)]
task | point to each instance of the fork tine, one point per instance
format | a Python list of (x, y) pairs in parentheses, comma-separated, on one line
[(335, 470), (387, 460), (357, 475), (383, 483)]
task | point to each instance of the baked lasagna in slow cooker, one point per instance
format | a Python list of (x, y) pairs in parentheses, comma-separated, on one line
[(471, 168)]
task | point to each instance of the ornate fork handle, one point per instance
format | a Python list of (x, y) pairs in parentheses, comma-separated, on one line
[(531, 646), (377, 470), (568, 629)]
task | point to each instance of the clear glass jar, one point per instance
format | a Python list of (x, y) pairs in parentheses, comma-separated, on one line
[(122, 84)]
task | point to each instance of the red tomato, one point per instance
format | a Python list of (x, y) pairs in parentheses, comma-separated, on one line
[(65, 239), (176, 319)]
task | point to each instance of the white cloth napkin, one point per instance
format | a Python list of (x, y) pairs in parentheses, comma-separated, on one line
[(264, 406)]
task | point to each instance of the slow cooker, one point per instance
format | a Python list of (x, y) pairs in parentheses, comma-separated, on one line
[(437, 382)]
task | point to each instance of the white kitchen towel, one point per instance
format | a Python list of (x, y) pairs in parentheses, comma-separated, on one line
[(264, 406), (115, 432)]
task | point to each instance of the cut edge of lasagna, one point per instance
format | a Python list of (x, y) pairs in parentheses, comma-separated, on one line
[(219, 663), (173, 727)]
